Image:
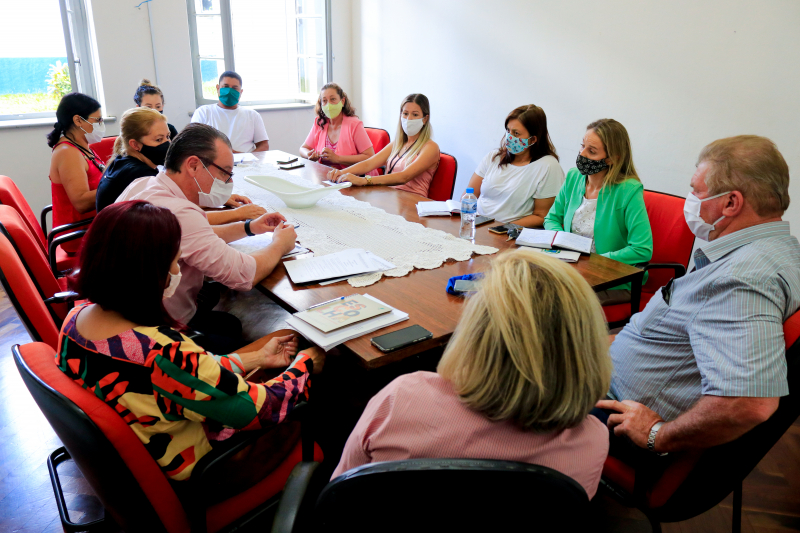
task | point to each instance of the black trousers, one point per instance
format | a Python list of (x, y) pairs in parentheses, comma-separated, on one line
[(222, 332)]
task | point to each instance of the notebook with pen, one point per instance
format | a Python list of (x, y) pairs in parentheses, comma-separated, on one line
[(342, 312)]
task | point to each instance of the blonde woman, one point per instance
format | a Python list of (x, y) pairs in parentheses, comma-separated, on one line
[(517, 381), (410, 160), (603, 199), (139, 150)]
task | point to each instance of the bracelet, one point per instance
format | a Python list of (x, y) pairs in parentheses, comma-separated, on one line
[(247, 228), (369, 180)]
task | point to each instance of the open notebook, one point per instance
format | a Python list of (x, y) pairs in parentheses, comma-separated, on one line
[(548, 239), (433, 209)]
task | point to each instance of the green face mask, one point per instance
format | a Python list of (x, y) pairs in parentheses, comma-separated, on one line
[(332, 111), (229, 96)]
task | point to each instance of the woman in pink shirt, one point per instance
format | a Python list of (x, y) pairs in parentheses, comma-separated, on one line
[(517, 381), (337, 138), (410, 161)]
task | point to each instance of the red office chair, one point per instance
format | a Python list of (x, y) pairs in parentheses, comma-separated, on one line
[(672, 249), (60, 262), (444, 180), (696, 481), (380, 139), (134, 491), (24, 295), (29, 251), (104, 148)]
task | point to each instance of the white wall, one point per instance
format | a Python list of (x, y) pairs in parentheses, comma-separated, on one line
[(126, 56), (677, 74)]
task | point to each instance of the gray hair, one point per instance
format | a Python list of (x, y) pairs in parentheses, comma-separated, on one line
[(194, 140)]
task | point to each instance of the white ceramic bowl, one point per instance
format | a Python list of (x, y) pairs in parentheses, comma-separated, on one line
[(293, 195)]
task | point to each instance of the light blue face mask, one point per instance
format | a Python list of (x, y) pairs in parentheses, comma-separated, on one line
[(516, 145)]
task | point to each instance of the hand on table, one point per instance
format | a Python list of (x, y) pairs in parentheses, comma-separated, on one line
[(237, 200), (329, 155), (317, 356), (249, 211), (284, 237), (266, 222), (352, 178), (313, 155), (633, 420), (278, 352)]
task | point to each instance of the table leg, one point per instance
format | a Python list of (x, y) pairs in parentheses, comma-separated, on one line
[(636, 293)]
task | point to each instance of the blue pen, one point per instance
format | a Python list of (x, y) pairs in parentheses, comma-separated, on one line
[(325, 303)]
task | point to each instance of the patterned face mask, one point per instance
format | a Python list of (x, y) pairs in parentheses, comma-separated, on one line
[(588, 167), (516, 145)]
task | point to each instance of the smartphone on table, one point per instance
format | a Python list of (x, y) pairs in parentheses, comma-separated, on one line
[(401, 338)]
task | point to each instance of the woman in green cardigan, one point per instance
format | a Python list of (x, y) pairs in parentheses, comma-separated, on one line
[(603, 199)]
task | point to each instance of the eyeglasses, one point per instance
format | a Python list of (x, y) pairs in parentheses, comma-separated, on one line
[(229, 174), (99, 120)]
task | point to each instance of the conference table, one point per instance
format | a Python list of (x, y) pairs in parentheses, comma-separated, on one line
[(421, 293)]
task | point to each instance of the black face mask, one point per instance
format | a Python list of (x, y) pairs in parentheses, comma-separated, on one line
[(156, 154), (587, 166)]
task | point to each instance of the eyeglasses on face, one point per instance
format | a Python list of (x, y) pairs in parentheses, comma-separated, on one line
[(227, 173)]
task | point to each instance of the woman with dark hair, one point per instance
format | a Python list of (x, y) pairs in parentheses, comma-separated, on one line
[(520, 180), (149, 95), (337, 138), (410, 161), (177, 398), (75, 170)]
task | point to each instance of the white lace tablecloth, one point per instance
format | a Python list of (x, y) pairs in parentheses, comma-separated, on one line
[(338, 222)]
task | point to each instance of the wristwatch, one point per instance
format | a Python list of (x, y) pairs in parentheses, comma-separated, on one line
[(247, 227), (651, 438)]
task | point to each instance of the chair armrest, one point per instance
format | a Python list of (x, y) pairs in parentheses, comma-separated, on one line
[(300, 493), (58, 241), (43, 217), (67, 227), (62, 297), (678, 268)]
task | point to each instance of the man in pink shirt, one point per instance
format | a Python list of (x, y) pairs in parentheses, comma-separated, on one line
[(198, 171)]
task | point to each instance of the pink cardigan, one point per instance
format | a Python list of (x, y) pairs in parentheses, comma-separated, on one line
[(353, 138)]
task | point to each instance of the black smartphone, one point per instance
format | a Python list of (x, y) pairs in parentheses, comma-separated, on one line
[(296, 165), (500, 230), (287, 162), (480, 219), (401, 338)]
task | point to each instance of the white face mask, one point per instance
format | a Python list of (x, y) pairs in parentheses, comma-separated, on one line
[(691, 212), (219, 193), (96, 135), (411, 127), (174, 281)]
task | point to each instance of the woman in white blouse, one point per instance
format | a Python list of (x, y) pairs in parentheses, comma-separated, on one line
[(519, 182)]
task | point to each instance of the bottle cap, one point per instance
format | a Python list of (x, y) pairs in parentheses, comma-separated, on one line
[(470, 190)]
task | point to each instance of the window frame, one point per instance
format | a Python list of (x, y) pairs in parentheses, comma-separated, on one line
[(228, 57), (77, 39)]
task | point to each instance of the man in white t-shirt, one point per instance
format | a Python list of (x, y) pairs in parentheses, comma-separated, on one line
[(243, 126)]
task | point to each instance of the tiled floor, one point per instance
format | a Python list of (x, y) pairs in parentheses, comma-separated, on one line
[(771, 492)]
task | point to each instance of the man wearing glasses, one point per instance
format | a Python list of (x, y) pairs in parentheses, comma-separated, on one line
[(198, 173)]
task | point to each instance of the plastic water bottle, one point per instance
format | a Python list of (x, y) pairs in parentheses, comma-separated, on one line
[(469, 207)]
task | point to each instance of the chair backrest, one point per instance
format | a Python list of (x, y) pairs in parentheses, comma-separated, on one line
[(102, 445), (24, 295), (681, 494), (104, 148), (380, 138), (11, 195), (27, 247), (451, 495), (444, 179), (672, 239)]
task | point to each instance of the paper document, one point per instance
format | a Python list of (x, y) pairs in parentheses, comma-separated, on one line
[(241, 158), (378, 263), (326, 341), (342, 264), (565, 255), (344, 184), (447, 208), (259, 242)]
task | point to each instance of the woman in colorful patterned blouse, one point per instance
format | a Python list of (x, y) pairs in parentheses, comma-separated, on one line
[(127, 350)]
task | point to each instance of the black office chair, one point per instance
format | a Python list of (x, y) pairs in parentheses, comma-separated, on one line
[(433, 495)]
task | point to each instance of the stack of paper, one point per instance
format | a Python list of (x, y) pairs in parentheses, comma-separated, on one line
[(432, 209), (259, 242), (242, 158), (326, 341), (337, 266)]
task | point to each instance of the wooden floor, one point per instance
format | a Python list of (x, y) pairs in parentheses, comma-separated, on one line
[(771, 492)]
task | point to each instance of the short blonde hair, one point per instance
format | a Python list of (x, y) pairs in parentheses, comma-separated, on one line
[(531, 346), (751, 165), (617, 144), (134, 124)]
